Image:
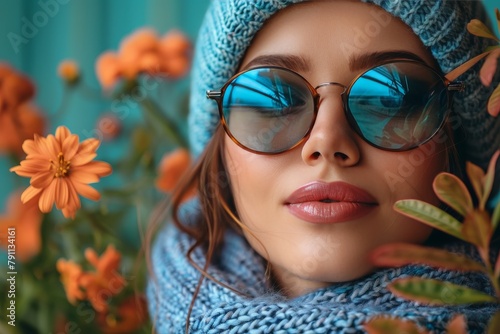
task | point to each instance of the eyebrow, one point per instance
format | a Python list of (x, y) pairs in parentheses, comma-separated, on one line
[(356, 62), (292, 62), (364, 61)]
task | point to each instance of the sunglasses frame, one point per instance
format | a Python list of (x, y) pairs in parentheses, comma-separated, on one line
[(218, 95)]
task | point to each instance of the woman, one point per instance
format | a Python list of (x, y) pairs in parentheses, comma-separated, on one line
[(330, 111)]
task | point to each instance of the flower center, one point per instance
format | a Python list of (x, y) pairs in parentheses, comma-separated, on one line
[(61, 166)]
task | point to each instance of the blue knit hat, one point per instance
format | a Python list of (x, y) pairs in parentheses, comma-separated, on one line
[(230, 26)]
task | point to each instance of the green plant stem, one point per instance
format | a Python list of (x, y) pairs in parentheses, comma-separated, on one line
[(164, 121)]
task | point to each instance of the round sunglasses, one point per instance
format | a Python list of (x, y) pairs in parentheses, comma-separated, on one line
[(394, 106)]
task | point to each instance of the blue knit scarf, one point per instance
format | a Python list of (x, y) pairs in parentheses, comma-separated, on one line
[(340, 308)]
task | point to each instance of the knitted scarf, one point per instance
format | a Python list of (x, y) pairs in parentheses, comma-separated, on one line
[(340, 308)]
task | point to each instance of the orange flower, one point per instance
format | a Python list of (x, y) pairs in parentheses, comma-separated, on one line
[(144, 52), (26, 220), (16, 127), (171, 169), (107, 69), (105, 281), (15, 89), (69, 71), (60, 168), (176, 49), (71, 274), (131, 314), (109, 126), (140, 44)]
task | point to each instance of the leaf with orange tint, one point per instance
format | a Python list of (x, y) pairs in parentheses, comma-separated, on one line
[(494, 102), (435, 292), (452, 191), (489, 178), (429, 215), (495, 218), (457, 325), (386, 325), (400, 254), (476, 177), (494, 324), (478, 28), (477, 229)]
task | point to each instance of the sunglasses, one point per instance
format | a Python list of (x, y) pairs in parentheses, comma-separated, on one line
[(394, 106)]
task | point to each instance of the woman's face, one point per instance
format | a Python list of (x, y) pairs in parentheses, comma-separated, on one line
[(281, 199)]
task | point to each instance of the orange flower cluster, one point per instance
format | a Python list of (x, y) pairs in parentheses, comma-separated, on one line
[(26, 219), (60, 168), (19, 119), (171, 169), (95, 286), (145, 52), (15, 88), (69, 71), (131, 314)]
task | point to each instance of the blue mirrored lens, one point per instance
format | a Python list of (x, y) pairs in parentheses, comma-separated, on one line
[(398, 106), (268, 109)]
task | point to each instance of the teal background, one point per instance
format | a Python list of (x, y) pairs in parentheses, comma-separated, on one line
[(82, 30)]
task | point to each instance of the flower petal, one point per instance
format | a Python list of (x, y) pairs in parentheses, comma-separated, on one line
[(47, 198), (62, 133), (82, 176), (29, 194), (99, 168), (82, 158), (86, 191), (42, 179), (89, 145), (62, 193), (73, 200), (70, 147)]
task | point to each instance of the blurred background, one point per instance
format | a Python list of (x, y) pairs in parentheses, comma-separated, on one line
[(130, 118)]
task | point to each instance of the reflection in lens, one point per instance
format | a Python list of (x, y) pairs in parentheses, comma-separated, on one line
[(399, 105), (268, 109)]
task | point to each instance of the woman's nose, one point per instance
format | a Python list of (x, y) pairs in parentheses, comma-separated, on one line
[(331, 139)]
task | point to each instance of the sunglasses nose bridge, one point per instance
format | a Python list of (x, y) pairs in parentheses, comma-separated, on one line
[(324, 84)]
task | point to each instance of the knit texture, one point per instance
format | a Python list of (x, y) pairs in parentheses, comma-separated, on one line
[(341, 308), (230, 26)]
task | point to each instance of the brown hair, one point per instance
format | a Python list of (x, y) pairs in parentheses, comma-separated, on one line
[(216, 209)]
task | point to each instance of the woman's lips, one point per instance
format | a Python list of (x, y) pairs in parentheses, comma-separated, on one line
[(324, 203)]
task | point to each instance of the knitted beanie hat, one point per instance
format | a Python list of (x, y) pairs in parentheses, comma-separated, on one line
[(230, 25)]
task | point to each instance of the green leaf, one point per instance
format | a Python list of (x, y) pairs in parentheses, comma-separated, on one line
[(435, 292), (400, 254), (495, 218), (386, 325), (430, 215), (492, 47), (477, 229), (476, 177), (494, 324), (489, 178), (457, 325), (478, 28), (494, 102), (452, 191), (497, 268)]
